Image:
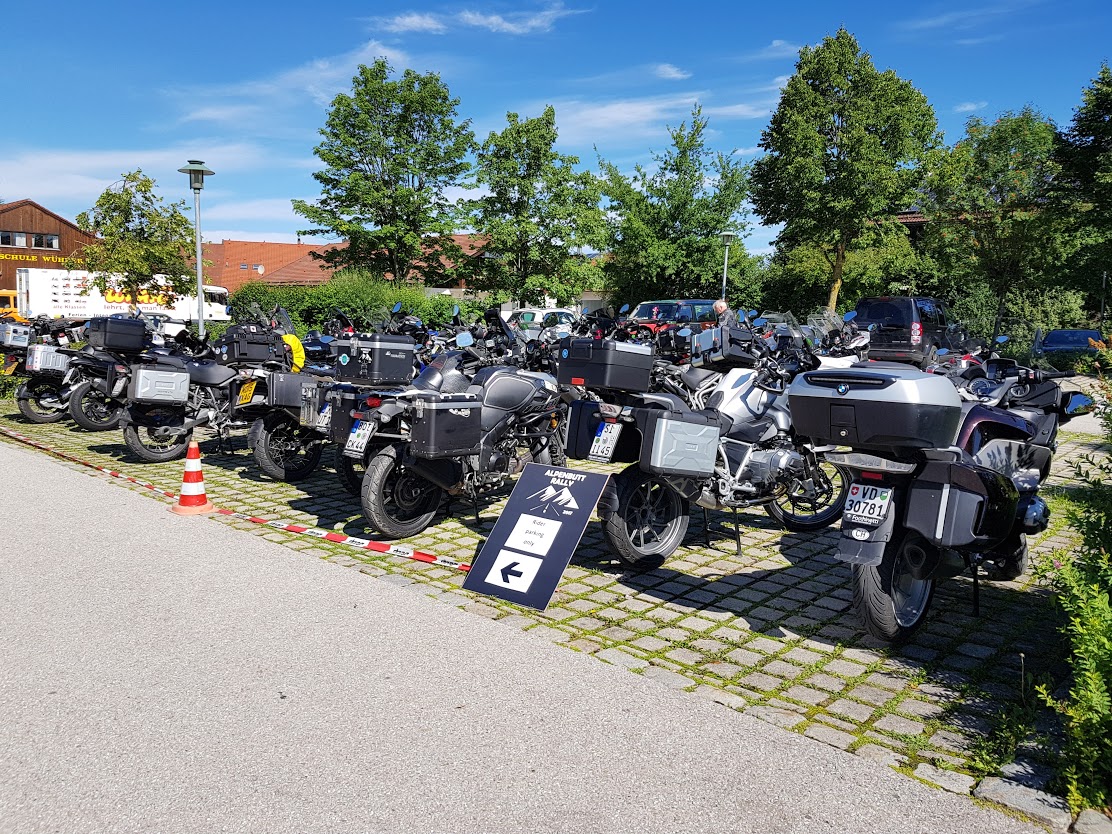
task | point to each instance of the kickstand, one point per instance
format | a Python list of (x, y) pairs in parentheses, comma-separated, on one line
[(737, 533), (475, 506), (976, 590), (706, 526)]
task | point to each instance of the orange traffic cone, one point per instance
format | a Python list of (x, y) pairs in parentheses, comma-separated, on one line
[(193, 500)]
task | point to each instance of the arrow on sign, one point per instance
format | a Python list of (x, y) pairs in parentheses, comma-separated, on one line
[(509, 571)]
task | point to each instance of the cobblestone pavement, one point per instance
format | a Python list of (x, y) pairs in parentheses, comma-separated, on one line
[(766, 629)]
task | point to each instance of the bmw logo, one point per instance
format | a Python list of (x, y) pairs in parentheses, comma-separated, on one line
[(564, 353), (843, 388)]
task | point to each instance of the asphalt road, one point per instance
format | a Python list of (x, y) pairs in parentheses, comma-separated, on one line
[(160, 673)]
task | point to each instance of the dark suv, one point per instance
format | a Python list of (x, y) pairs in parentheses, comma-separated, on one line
[(909, 328)]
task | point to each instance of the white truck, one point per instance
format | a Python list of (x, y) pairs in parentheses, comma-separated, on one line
[(71, 294)]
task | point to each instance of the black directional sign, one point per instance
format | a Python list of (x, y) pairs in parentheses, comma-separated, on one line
[(536, 535)]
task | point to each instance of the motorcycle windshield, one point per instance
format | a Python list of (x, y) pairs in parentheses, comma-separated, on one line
[(283, 319)]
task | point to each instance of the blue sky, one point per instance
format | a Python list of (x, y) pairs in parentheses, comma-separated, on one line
[(101, 89)]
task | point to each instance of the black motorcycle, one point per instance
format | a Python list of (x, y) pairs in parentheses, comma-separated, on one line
[(946, 477)]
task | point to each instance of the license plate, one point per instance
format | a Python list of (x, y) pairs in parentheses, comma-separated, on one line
[(10, 364), (867, 504), (324, 419), (361, 432), (606, 438), (63, 340), (246, 392)]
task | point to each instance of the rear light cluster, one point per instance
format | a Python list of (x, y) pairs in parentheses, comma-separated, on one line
[(916, 333), (374, 402)]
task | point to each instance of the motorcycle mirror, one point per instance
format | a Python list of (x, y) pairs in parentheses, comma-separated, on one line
[(1077, 404), (850, 316), (464, 339), (1001, 340), (228, 310), (759, 322), (455, 310), (685, 332), (752, 313), (624, 310), (941, 351), (397, 308), (326, 340)]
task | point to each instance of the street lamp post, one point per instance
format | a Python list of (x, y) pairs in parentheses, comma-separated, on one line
[(727, 238), (197, 173)]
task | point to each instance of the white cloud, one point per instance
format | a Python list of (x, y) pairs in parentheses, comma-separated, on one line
[(518, 23), (776, 49), (970, 106), (255, 210), (966, 18), (670, 72), (738, 111), (414, 22), (588, 122)]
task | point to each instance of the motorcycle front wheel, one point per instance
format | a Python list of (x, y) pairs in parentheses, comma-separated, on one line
[(397, 501), (92, 410), (40, 400), (650, 522), (891, 602), (151, 447), (284, 450), (812, 501)]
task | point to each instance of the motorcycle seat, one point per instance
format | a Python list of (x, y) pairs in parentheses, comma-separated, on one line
[(694, 377), (209, 372)]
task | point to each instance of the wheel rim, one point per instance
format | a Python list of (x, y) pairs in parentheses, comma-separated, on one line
[(159, 443), (652, 515), (285, 447), (44, 399), (815, 497), (407, 496), (97, 408), (909, 595)]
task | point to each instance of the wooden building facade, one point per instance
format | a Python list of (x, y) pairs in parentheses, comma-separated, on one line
[(32, 237)]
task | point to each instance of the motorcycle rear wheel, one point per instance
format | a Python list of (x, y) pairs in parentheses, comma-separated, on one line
[(650, 522), (397, 501), (349, 470), (154, 448), (92, 410), (285, 451), (39, 400), (891, 602), (801, 512)]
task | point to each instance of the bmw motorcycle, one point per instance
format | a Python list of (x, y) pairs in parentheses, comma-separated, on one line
[(945, 477)]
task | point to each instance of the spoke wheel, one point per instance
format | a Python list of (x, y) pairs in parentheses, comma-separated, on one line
[(146, 444), (285, 451), (39, 400), (650, 522), (349, 470), (812, 501), (92, 410)]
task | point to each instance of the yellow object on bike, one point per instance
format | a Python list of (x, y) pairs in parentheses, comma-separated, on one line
[(297, 352)]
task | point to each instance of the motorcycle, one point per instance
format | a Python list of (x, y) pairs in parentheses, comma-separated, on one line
[(457, 431), (38, 350), (729, 445), (945, 476)]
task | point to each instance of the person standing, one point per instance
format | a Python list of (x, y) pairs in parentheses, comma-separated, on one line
[(726, 316)]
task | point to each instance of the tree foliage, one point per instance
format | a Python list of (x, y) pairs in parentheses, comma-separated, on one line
[(842, 149), (138, 238), (391, 150), (1084, 154), (988, 199), (665, 224), (539, 214)]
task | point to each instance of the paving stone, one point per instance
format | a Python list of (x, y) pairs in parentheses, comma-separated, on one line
[(582, 605), (685, 656), (650, 644), (696, 624), (946, 779), (746, 658), (719, 697), (827, 682), (620, 658), (1044, 807), (584, 645), (723, 670), (880, 755), (676, 635), (1028, 773), (775, 715), (615, 633), (635, 605), (844, 668), (949, 740), (664, 614), (802, 656), (871, 695), (763, 644), (807, 695), (612, 614), (920, 709), (828, 735), (976, 650), (587, 623), (760, 681), (782, 669), (886, 681), (851, 709), (1092, 822), (671, 679), (897, 724)]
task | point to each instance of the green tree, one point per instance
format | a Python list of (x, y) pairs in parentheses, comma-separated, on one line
[(988, 197), (665, 224), (141, 242), (391, 150), (1084, 153), (842, 146), (538, 215)]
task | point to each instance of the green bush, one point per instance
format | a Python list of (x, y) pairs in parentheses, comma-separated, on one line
[(1083, 582)]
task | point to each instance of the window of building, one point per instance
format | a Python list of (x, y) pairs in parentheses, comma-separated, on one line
[(39, 241), (13, 239), (243, 266)]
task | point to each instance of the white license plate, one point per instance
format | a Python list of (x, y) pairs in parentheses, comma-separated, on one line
[(867, 504), (606, 438), (361, 432), (324, 419)]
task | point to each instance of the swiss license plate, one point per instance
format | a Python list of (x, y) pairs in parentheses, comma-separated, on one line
[(606, 438), (246, 392), (867, 504), (361, 432), (324, 419)]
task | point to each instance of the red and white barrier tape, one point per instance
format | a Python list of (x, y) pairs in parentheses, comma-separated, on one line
[(315, 532)]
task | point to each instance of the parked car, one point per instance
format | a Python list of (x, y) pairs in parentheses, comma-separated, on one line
[(531, 317), (910, 328), (698, 313), (1067, 340)]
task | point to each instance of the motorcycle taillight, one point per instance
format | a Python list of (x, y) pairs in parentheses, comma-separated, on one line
[(374, 402)]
